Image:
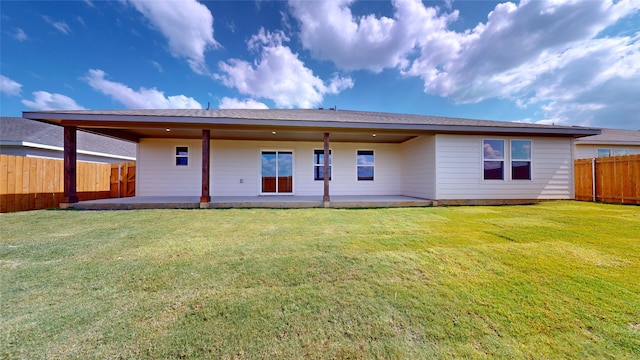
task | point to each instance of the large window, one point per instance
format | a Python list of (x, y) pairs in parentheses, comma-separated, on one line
[(521, 159), (182, 156), (493, 159), (365, 165), (318, 164), (620, 152)]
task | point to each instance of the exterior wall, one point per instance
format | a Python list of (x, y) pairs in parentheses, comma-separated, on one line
[(459, 170), (157, 175), (235, 168), (57, 154), (418, 165), (590, 151)]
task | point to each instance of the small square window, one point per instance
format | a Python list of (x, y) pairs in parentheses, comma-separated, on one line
[(182, 156)]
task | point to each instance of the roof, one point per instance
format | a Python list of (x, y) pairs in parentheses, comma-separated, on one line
[(612, 137), (25, 132), (340, 121)]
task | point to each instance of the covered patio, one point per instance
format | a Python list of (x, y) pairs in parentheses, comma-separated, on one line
[(228, 202)]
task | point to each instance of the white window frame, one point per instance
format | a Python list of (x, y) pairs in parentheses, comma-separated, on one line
[(512, 159), (293, 171), (316, 165), (372, 166), (504, 159), (177, 156), (607, 149)]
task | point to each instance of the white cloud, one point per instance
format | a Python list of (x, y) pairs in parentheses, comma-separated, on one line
[(547, 54), (43, 100), (278, 74), (142, 99), (331, 32), (187, 25), (495, 58), (157, 65), (9, 86), (20, 35), (59, 25), (233, 103)]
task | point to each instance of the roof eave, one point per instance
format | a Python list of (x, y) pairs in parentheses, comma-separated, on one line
[(175, 121)]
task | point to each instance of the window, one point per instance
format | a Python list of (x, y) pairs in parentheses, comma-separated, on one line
[(520, 159), (621, 152), (365, 165), (604, 152), (318, 164), (182, 156), (493, 159)]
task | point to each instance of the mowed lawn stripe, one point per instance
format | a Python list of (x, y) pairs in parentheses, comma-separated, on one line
[(553, 280)]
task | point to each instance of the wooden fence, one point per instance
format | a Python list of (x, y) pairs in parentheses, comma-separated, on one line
[(35, 183), (617, 179)]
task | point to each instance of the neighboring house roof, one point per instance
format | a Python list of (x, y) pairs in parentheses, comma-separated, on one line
[(612, 137), (16, 131), (141, 123)]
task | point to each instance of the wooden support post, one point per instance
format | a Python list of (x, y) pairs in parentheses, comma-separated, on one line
[(206, 154), (70, 156), (325, 197)]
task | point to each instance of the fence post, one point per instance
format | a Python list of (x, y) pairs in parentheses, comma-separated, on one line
[(593, 178), (119, 179)]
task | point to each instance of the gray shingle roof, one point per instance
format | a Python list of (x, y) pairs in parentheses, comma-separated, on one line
[(306, 117), (16, 129), (612, 136)]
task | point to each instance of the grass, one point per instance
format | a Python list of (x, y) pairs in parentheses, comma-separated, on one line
[(553, 280)]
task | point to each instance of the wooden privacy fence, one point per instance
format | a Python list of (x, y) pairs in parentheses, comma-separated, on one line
[(35, 183), (617, 179)]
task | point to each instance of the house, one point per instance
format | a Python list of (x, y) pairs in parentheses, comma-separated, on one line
[(24, 137), (329, 154), (611, 142)]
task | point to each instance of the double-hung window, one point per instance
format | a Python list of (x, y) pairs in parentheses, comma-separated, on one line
[(318, 164), (365, 165), (493, 159), (520, 159), (182, 156)]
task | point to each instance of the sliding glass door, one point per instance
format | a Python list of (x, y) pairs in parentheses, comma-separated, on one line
[(277, 172)]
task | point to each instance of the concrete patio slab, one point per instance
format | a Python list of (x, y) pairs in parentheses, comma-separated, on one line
[(227, 202)]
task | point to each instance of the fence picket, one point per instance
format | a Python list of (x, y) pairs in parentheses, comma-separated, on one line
[(617, 179), (36, 183)]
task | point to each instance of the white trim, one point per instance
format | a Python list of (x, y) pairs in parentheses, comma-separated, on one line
[(61, 149), (176, 156), (511, 160), (373, 166), (293, 172), (313, 175), (505, 173)]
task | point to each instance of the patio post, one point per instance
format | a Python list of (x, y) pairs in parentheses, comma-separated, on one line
[(206, 154), (70, 195), (325, 198)]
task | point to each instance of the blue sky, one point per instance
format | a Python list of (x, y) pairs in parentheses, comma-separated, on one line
[(561, 62)]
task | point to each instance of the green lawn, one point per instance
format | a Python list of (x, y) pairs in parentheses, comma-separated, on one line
[(553, 280)]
